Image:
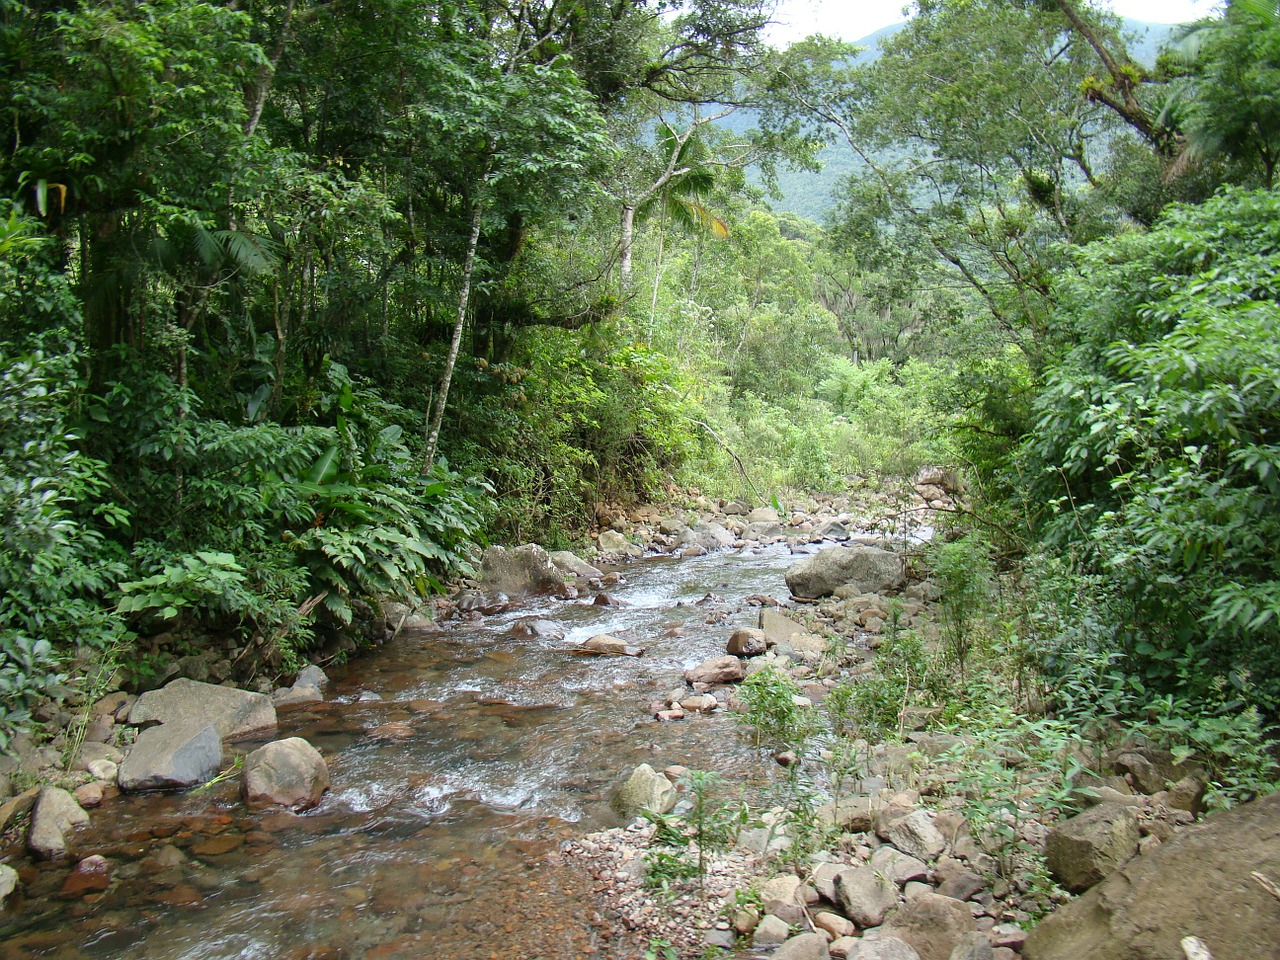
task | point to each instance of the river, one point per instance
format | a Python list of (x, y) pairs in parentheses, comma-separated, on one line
[(460, 759)]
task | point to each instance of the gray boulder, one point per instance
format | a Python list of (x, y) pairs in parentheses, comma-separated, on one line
[(726, 669), (770, 932), (519, 571), (865, 895), (899, 867), (571, 563), (308, 687), (973, 946), (1080, 852), (235, 714), (868, 569), (1200, 882), (53, 817), (287, 773), (172, 756), (645, 790)]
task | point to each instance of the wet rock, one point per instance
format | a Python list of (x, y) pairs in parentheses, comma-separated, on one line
[(535, 628), (700, 703), (395, 730), (8, 881), (932, 924), (173, 756), (865, 895), (869, 569), (747, 642), (1081, 851), (54, 816), (806, 946), (916, 835), (287, 773), (570, 563), (89, 795), (607, 600), (308, 687), (91, 875), (235, 714), (519, 571), (724, 669), (645, 790), (603, 644)]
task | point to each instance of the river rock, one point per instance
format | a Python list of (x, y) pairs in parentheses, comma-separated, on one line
[(865, 895), (932, 924), (886, 948), (806, 946), (973, 946), (288, 773), (519, 571), (235, 714), (747, 642), (850, 814), (916, 835), (173, 756), (777, 628), (770, 932), (899, 867), (781, 898), (308, 687), (1200, 882), (611, 542), (91, 875), (724, 669), (605, 645), (536, 628), (55, 815), (1081, 851), (869, 569), (570, 563), (645, 790), (8, 881), (948, 478)]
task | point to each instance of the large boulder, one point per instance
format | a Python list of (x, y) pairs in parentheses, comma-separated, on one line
[(1082, 851), (933, 924), (54, 816), (520, 571), (1201, 883), (886, 948), (868, 569), (287, 773), (645, 790), (235, 714), (172, 756)]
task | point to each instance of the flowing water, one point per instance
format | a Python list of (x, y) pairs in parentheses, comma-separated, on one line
[(460, 758)]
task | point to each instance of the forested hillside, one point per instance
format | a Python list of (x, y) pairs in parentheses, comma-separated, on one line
[(302, 299)]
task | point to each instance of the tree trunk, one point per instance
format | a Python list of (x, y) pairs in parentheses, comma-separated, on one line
[(464, 298), (625, 241)]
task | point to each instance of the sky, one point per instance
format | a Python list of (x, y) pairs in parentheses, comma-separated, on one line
[(854, 19)]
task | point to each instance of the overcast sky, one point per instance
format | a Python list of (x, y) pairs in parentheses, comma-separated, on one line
[(854, 19)]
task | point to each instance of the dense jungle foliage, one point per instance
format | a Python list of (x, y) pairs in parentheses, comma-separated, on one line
[(303, 299)]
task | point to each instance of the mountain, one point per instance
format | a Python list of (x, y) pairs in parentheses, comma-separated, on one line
[(811, 195)]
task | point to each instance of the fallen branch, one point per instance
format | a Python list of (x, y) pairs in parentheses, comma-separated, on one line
[(1267, 884)]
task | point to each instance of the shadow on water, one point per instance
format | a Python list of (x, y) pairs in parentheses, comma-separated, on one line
[(460, 758)]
